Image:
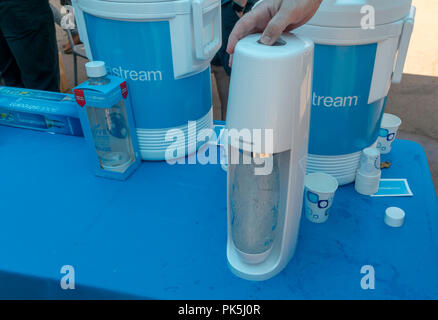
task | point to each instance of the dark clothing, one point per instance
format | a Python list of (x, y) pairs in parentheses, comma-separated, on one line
[(229, 19), (28, 48)]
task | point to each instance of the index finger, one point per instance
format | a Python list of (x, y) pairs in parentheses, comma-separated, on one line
[(243, 27), (253, 21)]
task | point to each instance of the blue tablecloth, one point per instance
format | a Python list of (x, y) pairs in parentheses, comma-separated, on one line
[(162, 233)]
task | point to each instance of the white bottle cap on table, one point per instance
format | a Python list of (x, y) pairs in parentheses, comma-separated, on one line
[(394, 217), (95, 69)]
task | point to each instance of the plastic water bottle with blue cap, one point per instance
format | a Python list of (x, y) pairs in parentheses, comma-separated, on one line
[(108, 125)]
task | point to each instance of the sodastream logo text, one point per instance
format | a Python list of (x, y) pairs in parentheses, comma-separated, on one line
[(135, 75)]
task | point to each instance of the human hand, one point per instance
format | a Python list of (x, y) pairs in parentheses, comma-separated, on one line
[(273, 17)]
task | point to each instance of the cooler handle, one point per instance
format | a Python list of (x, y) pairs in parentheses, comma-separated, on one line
[(405, 38), (200, 9)]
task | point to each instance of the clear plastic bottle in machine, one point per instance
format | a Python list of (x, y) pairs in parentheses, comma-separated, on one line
[(109, 126), (254, 201)]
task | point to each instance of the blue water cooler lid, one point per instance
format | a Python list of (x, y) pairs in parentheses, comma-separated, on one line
[(349, 13)]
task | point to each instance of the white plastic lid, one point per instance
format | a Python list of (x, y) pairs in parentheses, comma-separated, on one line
[(95, 69), (136, 9), (394, 217), (347, 13), (286, 45)]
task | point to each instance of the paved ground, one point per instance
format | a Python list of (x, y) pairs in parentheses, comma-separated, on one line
[(415, 100)]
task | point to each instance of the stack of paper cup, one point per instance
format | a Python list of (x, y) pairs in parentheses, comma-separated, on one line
[(343, 168), (368, 174), (388, 132)]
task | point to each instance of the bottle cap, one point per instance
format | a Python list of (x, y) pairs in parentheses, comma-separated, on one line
[(394, 217), (95, 69)]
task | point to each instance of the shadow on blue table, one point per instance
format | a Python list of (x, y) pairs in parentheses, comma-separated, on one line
[(17, 287)]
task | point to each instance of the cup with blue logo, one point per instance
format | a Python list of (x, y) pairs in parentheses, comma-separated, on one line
[(388, 132), (319, 194)]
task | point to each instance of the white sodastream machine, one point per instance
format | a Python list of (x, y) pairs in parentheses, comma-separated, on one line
[(268, 126), (163, 49)]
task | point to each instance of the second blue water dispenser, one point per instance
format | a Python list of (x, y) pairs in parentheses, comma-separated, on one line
[(163, 49), (360, 48)]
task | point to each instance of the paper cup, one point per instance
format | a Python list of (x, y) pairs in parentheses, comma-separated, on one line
[(370, 162), (319, 193), (388, 132)]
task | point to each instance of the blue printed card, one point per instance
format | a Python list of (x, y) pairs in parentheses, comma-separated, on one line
[(393, 188)]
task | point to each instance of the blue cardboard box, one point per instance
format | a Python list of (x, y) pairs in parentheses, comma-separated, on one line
[(46, 111)]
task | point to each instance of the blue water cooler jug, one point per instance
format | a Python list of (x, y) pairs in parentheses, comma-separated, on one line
[(360, 48), (163, 49)]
